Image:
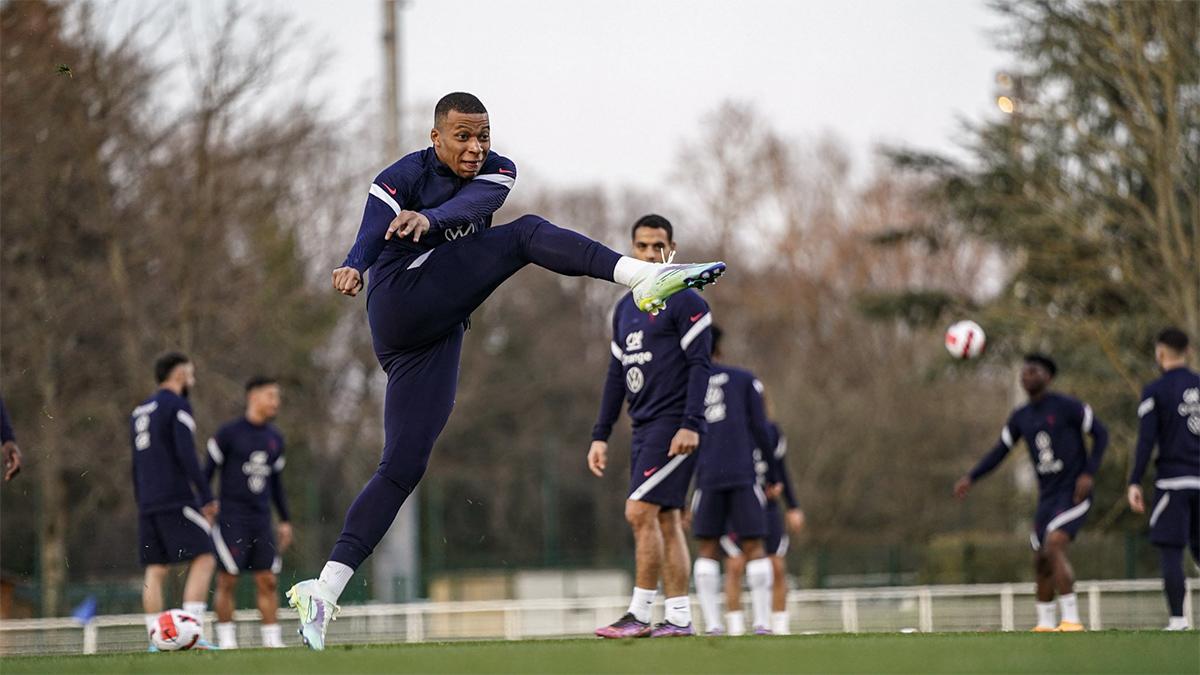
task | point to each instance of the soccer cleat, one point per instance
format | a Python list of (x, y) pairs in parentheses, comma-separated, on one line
[(205, 645), (660, 282), (759, 630), (716, 632), (668, 629), (1070, 627), (153, 649), (625, 627), (1044, 629), (316, 607)]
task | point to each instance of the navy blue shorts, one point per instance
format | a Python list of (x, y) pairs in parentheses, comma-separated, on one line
[(246, 545), (173, 536), (654, 477), (740, 509), (777, 538), (1058, 511), (1175, 519)]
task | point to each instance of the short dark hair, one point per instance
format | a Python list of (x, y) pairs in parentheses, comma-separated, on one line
[(1043, 361), (654, 222), (166, 364), (1174, 338), (460, 101), (716, 336), (259, 381)]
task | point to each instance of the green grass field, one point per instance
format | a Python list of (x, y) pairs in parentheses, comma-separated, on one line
[(1103, 652)]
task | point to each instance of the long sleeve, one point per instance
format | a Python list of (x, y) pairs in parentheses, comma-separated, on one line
[(779, 469), (6, 430), (185, 451), (214, 459), (998, 452), (1147, 436), (385, 198), (612, 398), (1093, 426), (479, 198), (278, 496), (693, 325), (760, 427)]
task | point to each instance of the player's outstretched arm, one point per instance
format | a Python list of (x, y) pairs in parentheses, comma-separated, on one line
[(1008, 438), (479, 198), (1147, 438)]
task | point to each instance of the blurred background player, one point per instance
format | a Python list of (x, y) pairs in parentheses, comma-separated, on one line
[(1053, 426), (8, 439), (248, 451), (421, 295), (660, 364), (176, 508), (1170, 418), (728, 494)]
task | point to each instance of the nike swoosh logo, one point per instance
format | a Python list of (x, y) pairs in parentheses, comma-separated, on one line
[(696, 318), (391, 190), (506, 171), (649, 472)]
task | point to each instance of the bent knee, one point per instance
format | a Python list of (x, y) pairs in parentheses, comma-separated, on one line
[(640, 514)]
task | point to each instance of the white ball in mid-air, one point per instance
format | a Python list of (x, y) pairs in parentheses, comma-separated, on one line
[(175, 630), (965, 340)]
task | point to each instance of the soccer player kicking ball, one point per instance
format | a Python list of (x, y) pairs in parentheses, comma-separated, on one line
[(727, 491), (1170, 418), (1053, 426), (175, 505), (248, 452), (426, 236), (773, 475), (660, 365)]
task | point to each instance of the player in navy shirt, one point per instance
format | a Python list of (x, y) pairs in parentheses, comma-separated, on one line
[(728, 494), (8, 440), (771, 467), (1170, 418), (176, 508), (1053, 426), (426, 238), (248, 453), (660, 365)]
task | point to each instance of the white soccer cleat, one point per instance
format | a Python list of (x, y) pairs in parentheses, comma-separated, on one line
[(657, 283), (316, 607)]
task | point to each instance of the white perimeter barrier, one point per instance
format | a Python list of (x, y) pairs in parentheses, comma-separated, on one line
[(1126, 604)]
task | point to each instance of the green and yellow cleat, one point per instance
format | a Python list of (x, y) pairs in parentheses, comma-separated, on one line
[(650, 293), (316, 607)]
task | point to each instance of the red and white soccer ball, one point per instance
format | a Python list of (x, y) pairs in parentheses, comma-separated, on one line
[(965, 340), (175, 630)]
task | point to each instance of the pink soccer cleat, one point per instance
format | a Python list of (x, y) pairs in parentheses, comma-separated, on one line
[(625, 627), (668, 629)]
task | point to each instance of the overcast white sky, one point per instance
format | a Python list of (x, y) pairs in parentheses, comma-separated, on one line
[(586, 91)]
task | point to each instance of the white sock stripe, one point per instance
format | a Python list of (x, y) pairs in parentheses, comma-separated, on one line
[(223, 552), (657, 478), (1159, 508)]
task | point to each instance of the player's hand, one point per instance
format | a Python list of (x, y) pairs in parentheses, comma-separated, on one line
[(795, 520), (12, 460), (774, 490), (406, 223), (685, 443), (685, 520), (1083, 487), (598, 457), (209, 511), (284, 533), (962, 486), (347, 281), (1137, 503)]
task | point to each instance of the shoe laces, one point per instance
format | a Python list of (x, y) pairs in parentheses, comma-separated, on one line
[(665, 258)]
